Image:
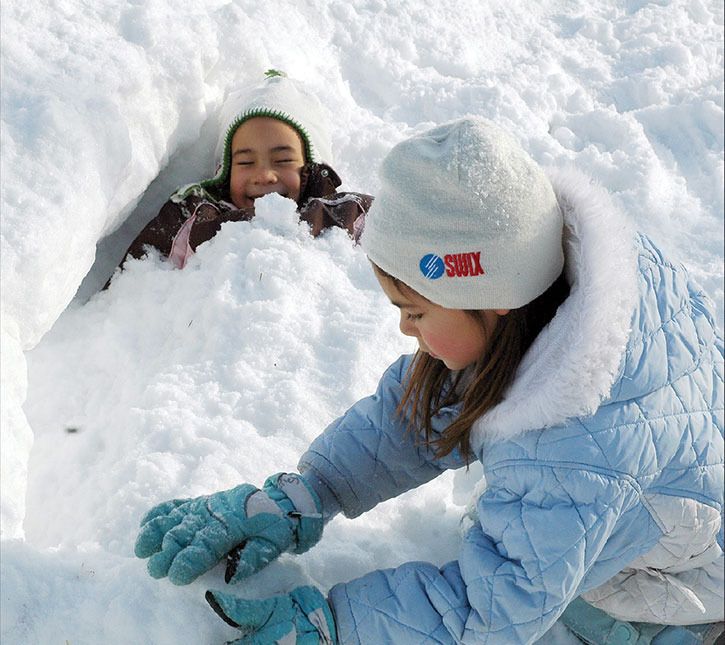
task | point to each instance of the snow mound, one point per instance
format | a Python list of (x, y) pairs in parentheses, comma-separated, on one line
[(176, 383)]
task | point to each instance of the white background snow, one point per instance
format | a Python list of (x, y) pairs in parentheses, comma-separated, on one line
[(178, 383)]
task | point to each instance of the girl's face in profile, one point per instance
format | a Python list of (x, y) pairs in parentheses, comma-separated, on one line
[(266, 157), (453, 336)]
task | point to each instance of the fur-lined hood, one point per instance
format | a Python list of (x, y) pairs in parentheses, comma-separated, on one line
[(576, 359)]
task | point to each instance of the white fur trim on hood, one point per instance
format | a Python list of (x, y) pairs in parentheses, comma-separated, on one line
[(576, 359)]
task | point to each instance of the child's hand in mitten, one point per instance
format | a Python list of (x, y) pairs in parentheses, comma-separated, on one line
[(302, 616), (185, 538)]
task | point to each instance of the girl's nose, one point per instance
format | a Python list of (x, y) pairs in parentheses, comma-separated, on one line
[(407, 327), (265, 176)]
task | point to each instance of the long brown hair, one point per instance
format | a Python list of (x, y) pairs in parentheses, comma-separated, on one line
[(432, 386)]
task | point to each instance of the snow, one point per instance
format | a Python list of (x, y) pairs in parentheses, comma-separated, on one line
[(175, 383)]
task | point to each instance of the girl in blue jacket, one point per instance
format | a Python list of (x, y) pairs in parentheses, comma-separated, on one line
[(560, 349)]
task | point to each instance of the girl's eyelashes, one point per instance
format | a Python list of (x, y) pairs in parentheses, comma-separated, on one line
[(414, 316), (276, 161)]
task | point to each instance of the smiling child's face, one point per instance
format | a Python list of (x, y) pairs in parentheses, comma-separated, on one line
[(266, 157)]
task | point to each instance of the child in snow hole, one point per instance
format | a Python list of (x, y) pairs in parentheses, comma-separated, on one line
[(273, 140), (560, 349)]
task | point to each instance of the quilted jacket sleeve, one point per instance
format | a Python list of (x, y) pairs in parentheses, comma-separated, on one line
[(367, 456), (539, 531)]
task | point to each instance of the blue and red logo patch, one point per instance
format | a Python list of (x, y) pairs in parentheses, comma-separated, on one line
[(453, 265)]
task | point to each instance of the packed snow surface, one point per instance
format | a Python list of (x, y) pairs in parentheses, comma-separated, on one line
[(178, 383)]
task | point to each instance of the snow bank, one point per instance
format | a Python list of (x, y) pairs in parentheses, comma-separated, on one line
[(176, 383), (96, 100), (180, 383)]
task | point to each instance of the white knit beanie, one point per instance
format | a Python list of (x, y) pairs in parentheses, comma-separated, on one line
[(466, 218), (280, 98)]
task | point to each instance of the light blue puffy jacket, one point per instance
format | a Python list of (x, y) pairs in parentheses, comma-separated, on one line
[(604, 464)]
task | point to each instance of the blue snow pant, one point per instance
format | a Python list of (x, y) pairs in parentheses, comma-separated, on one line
[(595, 627)]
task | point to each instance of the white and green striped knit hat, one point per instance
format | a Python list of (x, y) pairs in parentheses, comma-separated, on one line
[(280, 98)]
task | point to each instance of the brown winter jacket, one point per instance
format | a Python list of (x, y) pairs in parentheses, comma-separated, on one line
[(192, 216)]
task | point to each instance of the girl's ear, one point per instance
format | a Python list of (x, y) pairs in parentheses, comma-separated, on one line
[(501, 312)]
